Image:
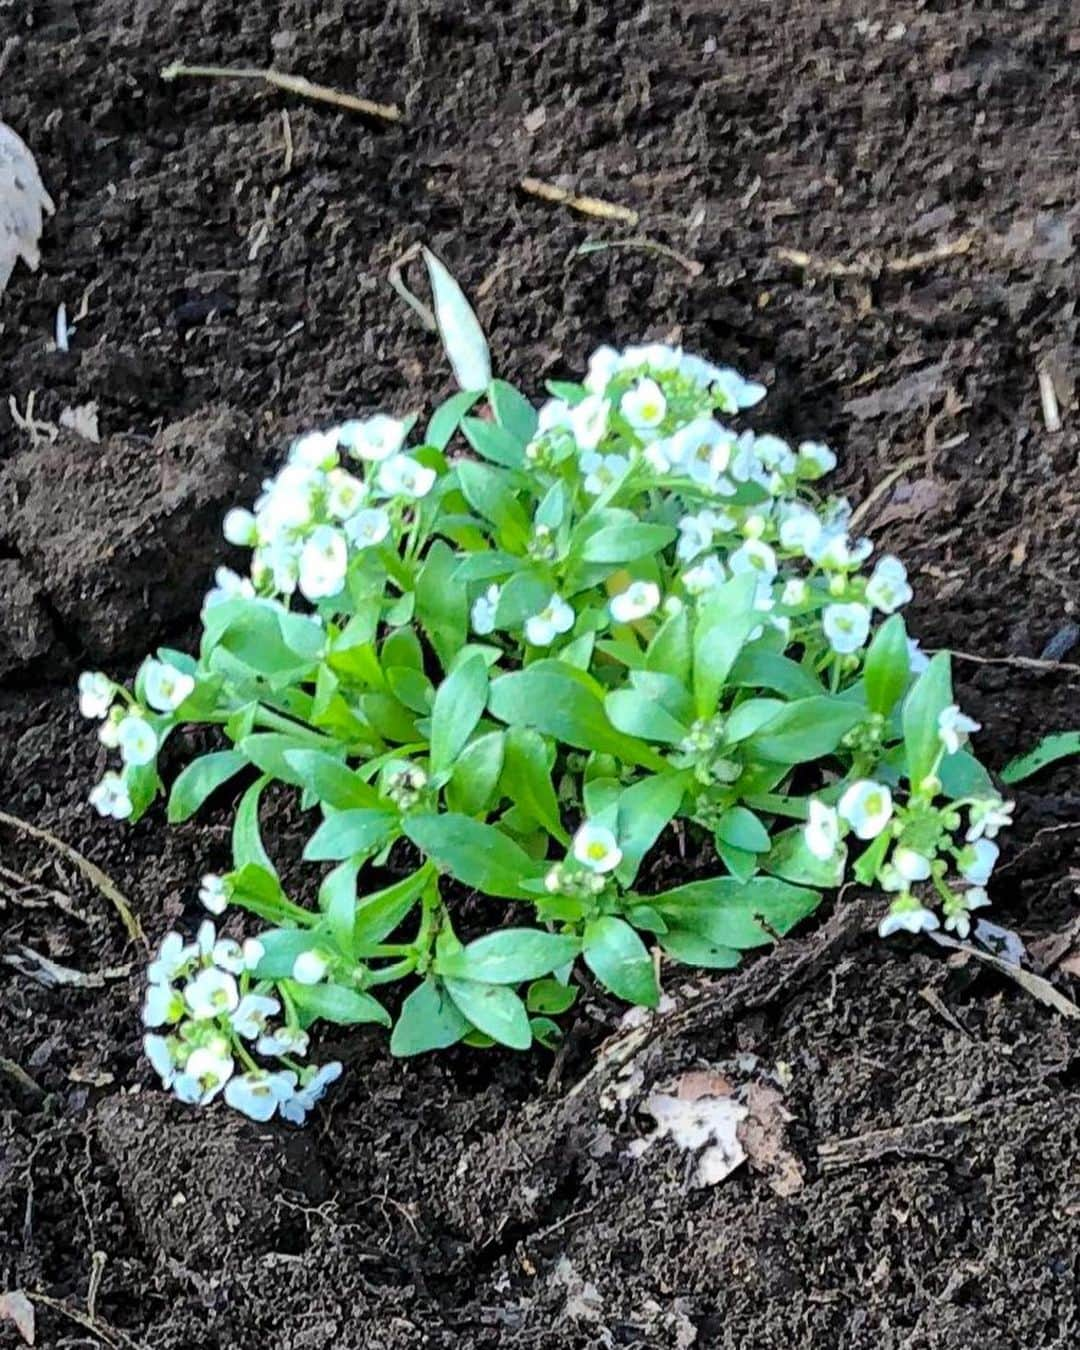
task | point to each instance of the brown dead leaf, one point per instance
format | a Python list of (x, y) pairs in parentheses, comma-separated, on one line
[(906, 394), (23, 205), (1058, 948), (17, 1309), (702, 1083), (763, 1133)]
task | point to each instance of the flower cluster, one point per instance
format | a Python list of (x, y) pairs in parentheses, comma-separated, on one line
[(624, 611), (205, 1012)]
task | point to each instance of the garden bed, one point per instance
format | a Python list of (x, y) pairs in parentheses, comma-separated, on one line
[(916, 168)]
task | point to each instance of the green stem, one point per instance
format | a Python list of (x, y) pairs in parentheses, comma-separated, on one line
[(388, 974)]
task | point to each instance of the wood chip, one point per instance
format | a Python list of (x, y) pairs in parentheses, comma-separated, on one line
[(763, 1135)]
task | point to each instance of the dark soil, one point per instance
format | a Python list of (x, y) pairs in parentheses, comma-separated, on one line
[(234, 294)]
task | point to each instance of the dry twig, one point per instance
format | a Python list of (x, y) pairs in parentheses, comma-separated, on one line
[(293, 84), (639, 242), (588, 206), (887, 483), (868, 266)]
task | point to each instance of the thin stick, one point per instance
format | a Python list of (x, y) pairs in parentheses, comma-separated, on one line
[(1050, 410), (869, 266), (90, 871), (1029, 662), (690, 265), (293, 84), (422, 312), (890, 479), (588, 206)]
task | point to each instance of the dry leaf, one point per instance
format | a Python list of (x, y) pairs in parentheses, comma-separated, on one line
[(17, 1309), (908, 393), (763, 1133), (23, 204), (701, 1124), (82, 421)]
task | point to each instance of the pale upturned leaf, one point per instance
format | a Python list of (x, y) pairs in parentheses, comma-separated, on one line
[(23, 204), (459, 328)]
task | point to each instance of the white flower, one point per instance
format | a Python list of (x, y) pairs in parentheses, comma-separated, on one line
[(324, 561), (137, 740), (375, 439), (554, 415), (258, 1094), (174, 956), (589, 421), (249, 1019), (657, 356), (696, 534), (595, 847), (284, 1041), (253, 952), (211, 993), (867, 807), (214, 893), (601, 471), (907, 914), (753, 556), (815, 460), (777, 456), (835, 552), (638, 600), (95, 694), (644, 405), (603, 364), (229, 585), (163, 1005), (846, 627), (822, 832), (703, 576), (315, 450), (954, 727), (988, 817), (240, 528), (556, 617), (737, 393), (287, 502), (402, 476), (228, 955), (483, 611), (309, 1093), (346, 494), (702, 448), (888, 587), (109, 731), (795, 593), (205, 938), (977, 861), (166, 687), (206, 1072), (910, 865), (918, 660), (368, 528), (310, 967), (110, 797), (959, 907), (800, 529), (158, 1050)]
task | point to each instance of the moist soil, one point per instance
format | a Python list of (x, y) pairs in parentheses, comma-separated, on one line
[(222, 250)]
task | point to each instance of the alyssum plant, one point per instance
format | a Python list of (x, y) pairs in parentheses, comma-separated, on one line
[(513, 670)]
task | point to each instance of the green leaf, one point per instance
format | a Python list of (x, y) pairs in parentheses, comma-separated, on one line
[(694, 950), (732, 913), (550, 996), (526, 780), (247, 845), (476, 774), (428, 1020), (725, 619), (476, 854), (888, 666), (963, 776), (253, 888), (510, 955), (494, 442), (546, 1032), (346, 834), (759, 669), (494, 1009), (330, 781), (525, 594), (513, 411), (551, 698), (459, 328), (739, 862), (624, 543), (644, 811), (1061, 745), (490, 494), (671, 650), (867, 864), (740, 828), (447, 418), (377, 915), (808, 729), (620, 961), (636, 714), (931, 694), (459, 703), (337, 900), (750, 716), (267, 642), (791, 860), (335, 1003), (281, 947), (199, 780), (267, 751), (442, 603)]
